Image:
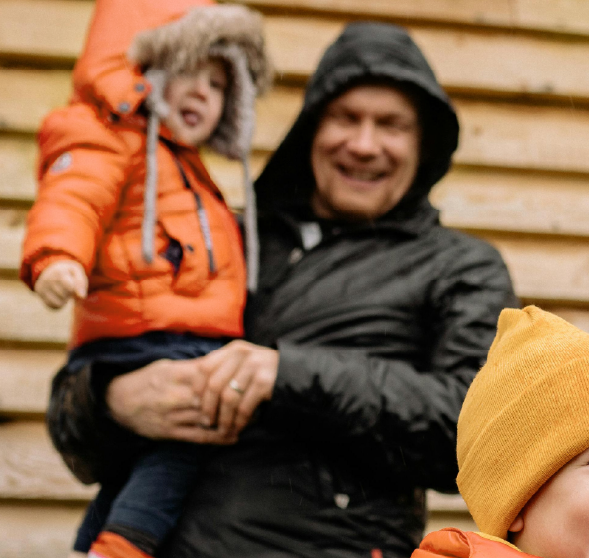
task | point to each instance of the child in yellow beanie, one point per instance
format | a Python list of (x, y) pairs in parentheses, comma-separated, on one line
[(523, 445)]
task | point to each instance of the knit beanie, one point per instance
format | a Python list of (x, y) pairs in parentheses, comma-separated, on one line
[(234, 34), (524, 417)]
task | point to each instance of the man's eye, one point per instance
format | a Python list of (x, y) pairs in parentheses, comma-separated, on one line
[(396, 124), (344, 118)]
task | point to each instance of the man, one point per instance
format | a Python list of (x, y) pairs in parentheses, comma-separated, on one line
[(370, 321)]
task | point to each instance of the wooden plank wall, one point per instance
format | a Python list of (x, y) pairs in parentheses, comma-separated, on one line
[(518, 72)]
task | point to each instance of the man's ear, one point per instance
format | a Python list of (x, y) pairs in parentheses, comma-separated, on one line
[(517, 524)]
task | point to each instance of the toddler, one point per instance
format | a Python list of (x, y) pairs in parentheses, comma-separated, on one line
[(129, 223)]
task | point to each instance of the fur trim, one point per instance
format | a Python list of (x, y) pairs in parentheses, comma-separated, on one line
[(181, 46), (231, 32), (234, 133)]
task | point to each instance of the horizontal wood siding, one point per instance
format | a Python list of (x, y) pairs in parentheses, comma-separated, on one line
[(518, 74)]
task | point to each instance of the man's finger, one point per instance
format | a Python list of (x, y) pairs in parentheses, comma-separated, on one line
[(217, 382), (214, 359), (184, 417), (233, 395), (199, 435)]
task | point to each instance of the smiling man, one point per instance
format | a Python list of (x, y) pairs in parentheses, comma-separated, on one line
[(365, 153), (369, 323)]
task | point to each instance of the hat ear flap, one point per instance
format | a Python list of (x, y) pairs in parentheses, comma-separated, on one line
[(233, 138), (233, 135)]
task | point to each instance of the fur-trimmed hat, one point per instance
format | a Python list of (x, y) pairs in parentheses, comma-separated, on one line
[(524, 417), (234, 34)]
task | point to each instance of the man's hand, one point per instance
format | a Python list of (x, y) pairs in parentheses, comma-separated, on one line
[(207, 400), (240, 376), (158, 400), (60, 281)]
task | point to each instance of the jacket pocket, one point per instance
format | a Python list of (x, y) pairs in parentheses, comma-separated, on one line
[(186, 253)]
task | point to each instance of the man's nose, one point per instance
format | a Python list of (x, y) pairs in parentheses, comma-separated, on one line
[(364, 139)]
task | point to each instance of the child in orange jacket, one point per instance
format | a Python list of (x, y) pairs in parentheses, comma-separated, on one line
[(523, 445), (129, 223)]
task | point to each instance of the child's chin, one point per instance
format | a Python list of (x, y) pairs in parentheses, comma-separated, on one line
[(191, 140)]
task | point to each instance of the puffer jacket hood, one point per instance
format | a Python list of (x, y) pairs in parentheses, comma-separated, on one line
[(170, 38), (103, 74), (364, 52)]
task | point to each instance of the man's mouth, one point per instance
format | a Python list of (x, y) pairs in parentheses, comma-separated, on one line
[(361, 175), (190, 117)]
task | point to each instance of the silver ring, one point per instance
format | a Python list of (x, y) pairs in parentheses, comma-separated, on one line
[(235, 387)]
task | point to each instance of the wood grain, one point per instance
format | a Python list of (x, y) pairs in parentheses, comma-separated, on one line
[(465, 61), (559, 16), (547, 271), (495, 61), (25, 380), (26, 319), (494, 199), (40, 530), (30, 468)]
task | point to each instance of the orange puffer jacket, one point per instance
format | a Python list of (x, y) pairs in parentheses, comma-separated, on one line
[(453, 543), (90, 202)]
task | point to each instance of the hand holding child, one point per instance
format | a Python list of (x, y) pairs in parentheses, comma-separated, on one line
[(240, 376), (60, 281)]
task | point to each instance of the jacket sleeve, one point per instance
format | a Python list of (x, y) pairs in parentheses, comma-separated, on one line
[(410, 413), (81, 173)]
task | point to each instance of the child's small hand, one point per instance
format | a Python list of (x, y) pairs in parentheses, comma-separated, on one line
[(60, 281)]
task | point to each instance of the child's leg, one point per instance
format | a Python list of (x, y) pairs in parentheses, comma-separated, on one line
[(95, 518), (150, 503), (109, 358)]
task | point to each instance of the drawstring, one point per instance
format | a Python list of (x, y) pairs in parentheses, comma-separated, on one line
[(203, 220), (157, 109), (150, 189), (250, 224)]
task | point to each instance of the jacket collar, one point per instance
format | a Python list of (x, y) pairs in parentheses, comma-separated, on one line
[(454, 543), (409, 220)]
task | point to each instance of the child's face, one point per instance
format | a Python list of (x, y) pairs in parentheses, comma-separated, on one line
[(555, 522), (196, 103)]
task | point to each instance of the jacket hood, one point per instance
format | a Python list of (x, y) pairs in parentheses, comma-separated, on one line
[(103, 75), (365, 52)]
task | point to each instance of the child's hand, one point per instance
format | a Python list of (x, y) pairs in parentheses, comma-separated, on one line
[(60, 281)]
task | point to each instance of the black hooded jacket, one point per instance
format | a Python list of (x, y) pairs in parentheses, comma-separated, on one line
[(380, 327)]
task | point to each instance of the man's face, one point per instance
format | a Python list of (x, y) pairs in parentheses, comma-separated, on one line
[(555, 522), (196, 103), (365, 153)]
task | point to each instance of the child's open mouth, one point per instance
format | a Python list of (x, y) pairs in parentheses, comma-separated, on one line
[(190, 117)]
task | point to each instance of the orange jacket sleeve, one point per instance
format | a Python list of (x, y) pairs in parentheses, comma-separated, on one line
[(82, 171)]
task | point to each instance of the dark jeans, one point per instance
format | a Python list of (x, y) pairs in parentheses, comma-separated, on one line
[(143, 504)]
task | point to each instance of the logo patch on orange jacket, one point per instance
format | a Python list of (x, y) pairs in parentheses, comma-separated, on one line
[(63, 162)]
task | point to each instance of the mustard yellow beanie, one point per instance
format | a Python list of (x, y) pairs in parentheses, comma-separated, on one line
[(524, 417)]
